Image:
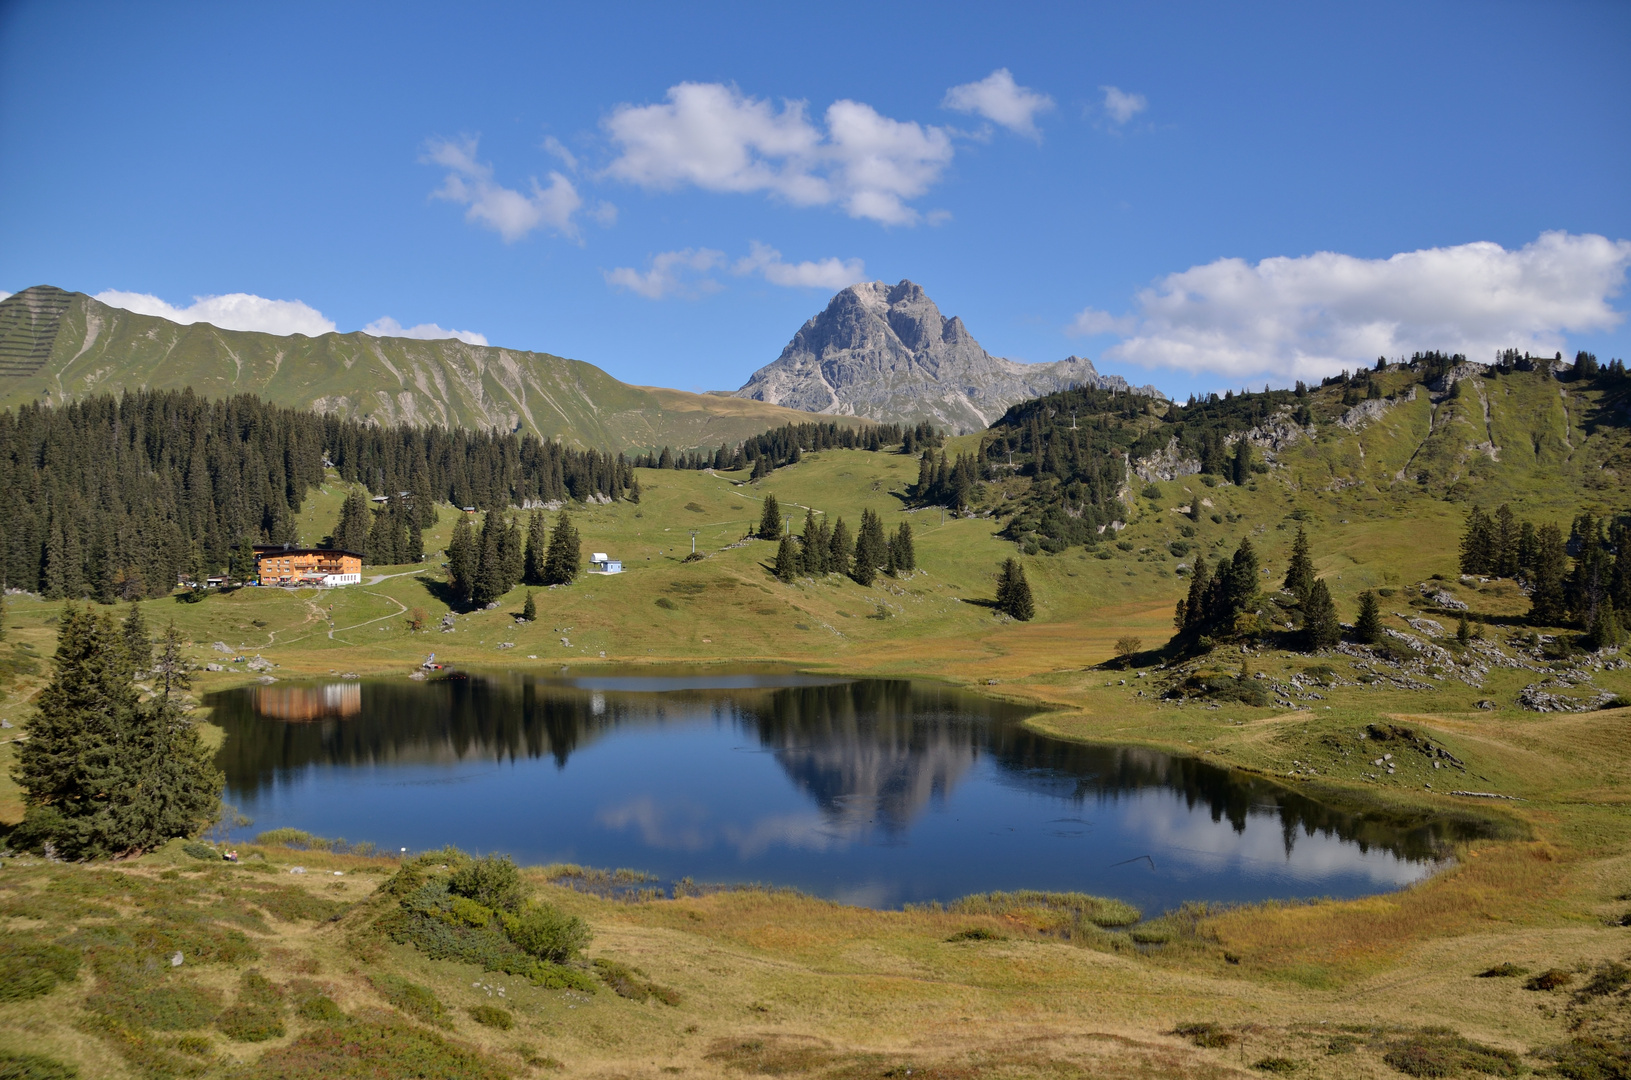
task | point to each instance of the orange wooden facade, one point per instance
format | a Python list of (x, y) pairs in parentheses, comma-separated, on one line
[(307, 566)]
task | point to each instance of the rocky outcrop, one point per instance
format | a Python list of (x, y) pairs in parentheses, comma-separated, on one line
[(887, 353)]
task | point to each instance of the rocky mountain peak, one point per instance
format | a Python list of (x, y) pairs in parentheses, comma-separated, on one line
[(886, 352)]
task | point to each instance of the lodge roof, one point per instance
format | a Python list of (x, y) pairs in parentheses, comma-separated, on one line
[(263, 550)]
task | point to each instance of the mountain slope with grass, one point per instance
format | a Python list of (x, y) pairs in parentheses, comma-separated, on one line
[(57, 346)]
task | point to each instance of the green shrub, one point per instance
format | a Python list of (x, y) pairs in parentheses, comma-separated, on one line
[(291, 903), (1551, 979), (1589, 1058), (152, 1005), (631, 983), (293, 838), (1502, 971), (200, 850), (318, 1007), (548, 934), (976, 933), (492, 1016), (492, 881), (196, 1045), (1207, 1035), (1277, 1065), (248, 1024), (372, 1048), (666, 604), (34, 1067), (30, 970), (415, 1000), (1439, 1053)]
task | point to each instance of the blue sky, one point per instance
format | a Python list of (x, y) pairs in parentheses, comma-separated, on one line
[(1194, 195)]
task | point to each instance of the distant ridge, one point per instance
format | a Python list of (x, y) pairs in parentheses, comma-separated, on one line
[(59, 346), (887, 353)]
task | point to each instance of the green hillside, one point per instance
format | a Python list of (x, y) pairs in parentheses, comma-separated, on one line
[(59, 346)]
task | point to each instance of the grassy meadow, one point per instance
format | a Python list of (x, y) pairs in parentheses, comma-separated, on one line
[(773, 983)]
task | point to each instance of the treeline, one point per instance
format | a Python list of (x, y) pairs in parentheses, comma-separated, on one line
[(118, 498), (825, 548), (1593, 594), (788, 444), (1073, 445), (481, 567)]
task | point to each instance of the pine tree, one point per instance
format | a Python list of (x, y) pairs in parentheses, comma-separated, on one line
[(1368, 626), (902, 550), (1547, 599), (490, 583), (1605, 631), (787, 559), (1241, 586), (529, 610), (871, 550), (1463, 629), (138, 642), (1505, 534), (241, 566), (770, 519), (812, 547), (72, 768), (351, 532), (178, 789), (461, 560), (512, 552), (1200, 587), (1321, 629), (532, 570), (1300, 574), (1477, 542), (1014, 592), (839, 548), (1241, 469), (565, 555)]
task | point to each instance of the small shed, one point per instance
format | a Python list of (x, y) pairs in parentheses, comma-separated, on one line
[(602, 563)]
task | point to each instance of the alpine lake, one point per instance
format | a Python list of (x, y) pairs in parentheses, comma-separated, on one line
[(874, 792)]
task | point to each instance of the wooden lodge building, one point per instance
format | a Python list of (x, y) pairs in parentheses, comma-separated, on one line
[(284, 565)]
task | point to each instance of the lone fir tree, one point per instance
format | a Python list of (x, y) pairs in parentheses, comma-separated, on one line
[(1368, 625), (1321, 629), (1300, 574), (1014, 592), (565, 555), (787, 559), (770, 519)]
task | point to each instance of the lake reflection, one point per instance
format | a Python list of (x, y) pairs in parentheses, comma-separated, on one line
[(870, 791)]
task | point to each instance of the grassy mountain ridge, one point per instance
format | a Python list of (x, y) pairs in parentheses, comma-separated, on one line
[(58, 346)]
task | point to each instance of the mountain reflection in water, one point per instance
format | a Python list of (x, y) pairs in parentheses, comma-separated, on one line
[(874, 791)]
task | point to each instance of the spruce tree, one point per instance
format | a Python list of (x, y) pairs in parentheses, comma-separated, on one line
[(902, 549), (351, 532), (461, 560), (1477, 542), (138, 642), (1300, 574), (1463, 629), (1506, 535), (532, 569), (1368, 626), (812, 547), (178, 789), (1014, 592), (565, 555), (489, 584), (839, 548), (1321, 629), (1200, 587), (529, 610), (1241, 590), (75, 767), (1547, 598), (1241, 467), (770, 519), (1605, 630), (871, 550), (787, 559), (512, 550)]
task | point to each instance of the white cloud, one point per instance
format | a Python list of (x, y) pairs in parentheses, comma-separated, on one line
[(559, 150), (385, 326), (830, 273), (1091, 321), (714, 137), (1311, 315), (233, 311), (999, 99), (1122, 106), (510, 213), (671, 273)]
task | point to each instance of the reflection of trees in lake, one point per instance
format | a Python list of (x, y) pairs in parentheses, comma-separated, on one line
[(868, 752)]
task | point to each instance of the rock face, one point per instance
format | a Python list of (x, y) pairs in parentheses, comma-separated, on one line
[(885, 352)]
